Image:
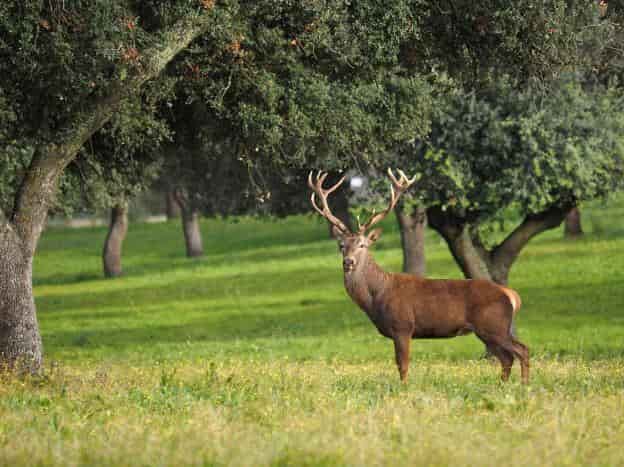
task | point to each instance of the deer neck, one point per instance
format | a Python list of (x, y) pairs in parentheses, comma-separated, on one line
[(366, 283)]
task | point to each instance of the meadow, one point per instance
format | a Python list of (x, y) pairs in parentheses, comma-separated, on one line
[(255, 355)]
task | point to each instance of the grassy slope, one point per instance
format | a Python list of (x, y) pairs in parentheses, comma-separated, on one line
[(255, 355)]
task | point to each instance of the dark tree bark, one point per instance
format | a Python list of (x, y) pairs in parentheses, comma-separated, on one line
[(572, 225), (192, 233), (412, 227), (117, 229), (474, 259), (190, 224), (172, 206), (505, 254), (20, 340), (468, 253)]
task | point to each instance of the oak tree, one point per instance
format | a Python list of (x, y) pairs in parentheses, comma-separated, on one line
[(66, 68)]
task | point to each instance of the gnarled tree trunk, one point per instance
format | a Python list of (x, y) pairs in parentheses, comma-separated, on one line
[(474, 259), (467, 251), (20, 341), (192, 233), (572, 225), (117, 229), (412, 227)]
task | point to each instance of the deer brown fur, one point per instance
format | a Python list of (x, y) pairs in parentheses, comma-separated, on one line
[(405, 307)]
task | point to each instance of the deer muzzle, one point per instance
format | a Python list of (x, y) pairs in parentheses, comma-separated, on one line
[(348, 264)]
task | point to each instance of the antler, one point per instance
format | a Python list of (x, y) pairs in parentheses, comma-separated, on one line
[(317, 189), (401, 185)]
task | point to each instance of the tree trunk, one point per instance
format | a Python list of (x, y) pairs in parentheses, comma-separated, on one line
[(192, 233), (20, 342), (572, 224), (172, 207), (469, 254), (412, 228), (118, 227)]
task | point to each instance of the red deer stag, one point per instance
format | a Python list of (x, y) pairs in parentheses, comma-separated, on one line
[(404, 307)]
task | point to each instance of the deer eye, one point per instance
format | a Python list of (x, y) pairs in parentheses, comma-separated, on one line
[(341, 246), (362, 245)]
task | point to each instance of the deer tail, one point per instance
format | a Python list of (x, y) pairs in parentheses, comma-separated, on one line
[(514, 299)]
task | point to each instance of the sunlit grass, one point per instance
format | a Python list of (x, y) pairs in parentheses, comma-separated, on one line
[(254, 355), (249, 412)]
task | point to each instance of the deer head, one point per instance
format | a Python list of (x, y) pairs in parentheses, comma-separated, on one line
[(354, 245)]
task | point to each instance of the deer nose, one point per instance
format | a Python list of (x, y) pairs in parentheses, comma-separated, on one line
[(348, 262)]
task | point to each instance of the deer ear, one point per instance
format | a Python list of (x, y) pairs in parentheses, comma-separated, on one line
[(374, 235), (336, 232)]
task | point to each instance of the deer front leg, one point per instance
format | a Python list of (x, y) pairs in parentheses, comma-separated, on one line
[(401, 351)]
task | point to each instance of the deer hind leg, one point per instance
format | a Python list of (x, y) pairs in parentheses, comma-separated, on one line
[(401, 352), (497, 332), (506, 359), (522, 351), (518, 350)]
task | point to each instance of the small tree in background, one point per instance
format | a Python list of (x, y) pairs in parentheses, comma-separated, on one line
[(121, 160), (477, 43)]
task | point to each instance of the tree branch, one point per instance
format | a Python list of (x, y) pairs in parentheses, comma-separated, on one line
[(39, 184), (443, 222), (508, 250), (473, 259)]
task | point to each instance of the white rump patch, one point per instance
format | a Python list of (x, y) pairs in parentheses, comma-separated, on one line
[(512, 298)]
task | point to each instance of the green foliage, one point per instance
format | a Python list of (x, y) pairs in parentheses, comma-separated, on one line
[(121, 160), (57, 59), (532, 41), (56, 55), (500, 147), (288, 87), (12, 169)]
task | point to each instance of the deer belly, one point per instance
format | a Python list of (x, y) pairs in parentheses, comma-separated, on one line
[(440, 333)]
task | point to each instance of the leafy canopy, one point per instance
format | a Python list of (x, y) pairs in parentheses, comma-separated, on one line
[(527, 148)]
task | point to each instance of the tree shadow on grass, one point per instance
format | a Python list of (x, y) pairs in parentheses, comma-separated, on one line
[(157, 248), (147, 265), (222, 325), (240, 286)]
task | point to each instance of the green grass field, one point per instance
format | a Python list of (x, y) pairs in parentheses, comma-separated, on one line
[(255, 355)]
